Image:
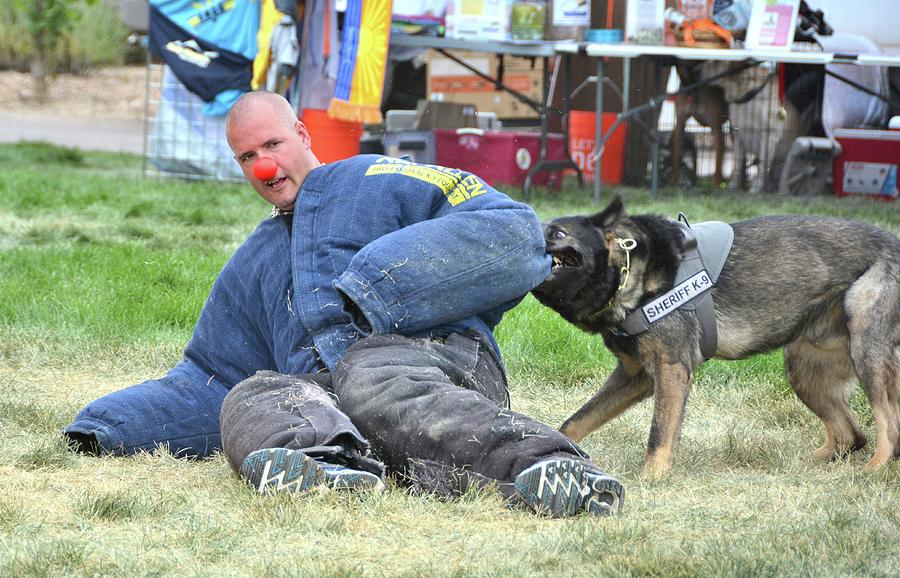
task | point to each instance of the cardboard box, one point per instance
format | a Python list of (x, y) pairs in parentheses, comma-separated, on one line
[(447, 81), (868, 164), (498, 156)]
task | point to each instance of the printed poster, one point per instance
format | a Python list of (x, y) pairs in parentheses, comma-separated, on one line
[(572, 13), (772, 24)]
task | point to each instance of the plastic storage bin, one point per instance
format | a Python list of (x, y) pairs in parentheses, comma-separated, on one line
[(868, 164), (415, 145), (498, 157)]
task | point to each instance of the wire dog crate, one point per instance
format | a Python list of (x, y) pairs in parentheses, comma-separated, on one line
[(180, 139), (744, 111)]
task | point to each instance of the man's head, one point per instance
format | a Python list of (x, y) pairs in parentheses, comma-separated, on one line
[(263, 124)]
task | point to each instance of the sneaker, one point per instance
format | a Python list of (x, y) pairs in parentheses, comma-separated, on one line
[(343, 478), (563, 487), (284, 470)]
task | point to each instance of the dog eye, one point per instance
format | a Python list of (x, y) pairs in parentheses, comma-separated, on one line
[(559, 235)]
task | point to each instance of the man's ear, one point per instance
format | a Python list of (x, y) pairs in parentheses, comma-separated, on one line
[(300, 129), (609, 216)]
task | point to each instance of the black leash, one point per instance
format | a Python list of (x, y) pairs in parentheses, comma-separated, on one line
[(753, 92), (861, 88)]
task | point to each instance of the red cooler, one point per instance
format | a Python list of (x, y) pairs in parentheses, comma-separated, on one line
[(498, 156), (868, 164)]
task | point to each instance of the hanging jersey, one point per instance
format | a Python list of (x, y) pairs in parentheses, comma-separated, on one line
[(210, 46), (229, 24)]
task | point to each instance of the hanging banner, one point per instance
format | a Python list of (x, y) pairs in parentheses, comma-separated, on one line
[(364, 49)]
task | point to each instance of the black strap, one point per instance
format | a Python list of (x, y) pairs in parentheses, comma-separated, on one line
[(751, 94)]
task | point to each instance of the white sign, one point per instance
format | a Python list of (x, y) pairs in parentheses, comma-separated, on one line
[(678, 296), (523, 159), (772, 24), (870, 178), (572, 13)]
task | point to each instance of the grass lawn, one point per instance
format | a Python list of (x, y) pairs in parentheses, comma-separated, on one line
[(102, 275)]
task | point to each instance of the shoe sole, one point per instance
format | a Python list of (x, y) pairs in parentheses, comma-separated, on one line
[(284, 470), (562, 488), (281, 470)]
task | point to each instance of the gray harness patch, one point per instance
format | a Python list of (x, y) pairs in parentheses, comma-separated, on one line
[(706, 248)]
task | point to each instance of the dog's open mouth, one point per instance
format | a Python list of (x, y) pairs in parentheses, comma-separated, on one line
[(565, 258)]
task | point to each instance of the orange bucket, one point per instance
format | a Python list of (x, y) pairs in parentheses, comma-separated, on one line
[(332, 139), (581, 145)]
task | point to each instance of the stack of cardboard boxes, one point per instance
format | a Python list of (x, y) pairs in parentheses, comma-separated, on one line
[(447, 81)]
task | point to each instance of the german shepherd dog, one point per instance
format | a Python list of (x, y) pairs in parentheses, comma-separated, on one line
[(825, 289)]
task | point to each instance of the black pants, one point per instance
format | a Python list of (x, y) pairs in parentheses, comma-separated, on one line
[(435, 411)]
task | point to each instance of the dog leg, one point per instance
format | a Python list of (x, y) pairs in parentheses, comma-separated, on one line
[(880, 384), (872, 309), (622, 390), (719, 140), (677, 156), (823, 380), (673, 383), (738, 165)]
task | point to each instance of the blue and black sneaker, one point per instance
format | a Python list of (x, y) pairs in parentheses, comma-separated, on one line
[(284, 470), (564, 487)]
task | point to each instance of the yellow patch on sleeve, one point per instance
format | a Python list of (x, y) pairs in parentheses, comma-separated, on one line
[(455, 188), (469, 187)]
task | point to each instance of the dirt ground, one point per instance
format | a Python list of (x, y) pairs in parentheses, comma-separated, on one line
[(108, 93)]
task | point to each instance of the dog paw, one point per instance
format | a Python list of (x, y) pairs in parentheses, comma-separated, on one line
[(826, 453), (654, 469), (879, 460)]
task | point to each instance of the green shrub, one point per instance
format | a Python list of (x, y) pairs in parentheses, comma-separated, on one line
[(41, 153), (97, 38), (15, 46)]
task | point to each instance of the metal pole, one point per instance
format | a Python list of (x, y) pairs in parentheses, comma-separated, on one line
[(146, 141), (654, 151), (598, 129)]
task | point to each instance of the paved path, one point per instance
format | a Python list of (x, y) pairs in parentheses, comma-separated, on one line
[(83, 133)]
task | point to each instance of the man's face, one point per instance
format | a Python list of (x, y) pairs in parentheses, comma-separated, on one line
[(266, 134)]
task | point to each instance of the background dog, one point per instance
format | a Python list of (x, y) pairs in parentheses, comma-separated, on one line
[(745, 105), (825, 289), (707, 105), (762, 127)]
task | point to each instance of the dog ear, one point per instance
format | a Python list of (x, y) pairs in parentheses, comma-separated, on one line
[(609, 216)]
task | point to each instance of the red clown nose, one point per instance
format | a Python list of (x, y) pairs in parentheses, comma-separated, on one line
[(264, 169)]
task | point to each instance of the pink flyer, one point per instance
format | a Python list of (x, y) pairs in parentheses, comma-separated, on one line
[(776, 25)]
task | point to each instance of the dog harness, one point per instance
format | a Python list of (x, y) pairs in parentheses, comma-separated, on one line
[(706, 247)]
